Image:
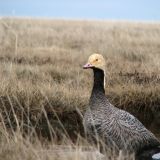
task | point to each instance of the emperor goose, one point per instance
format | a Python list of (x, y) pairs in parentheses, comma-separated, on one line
[(115, 127)]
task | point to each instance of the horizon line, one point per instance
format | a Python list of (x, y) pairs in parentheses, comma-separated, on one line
[(80, 19)]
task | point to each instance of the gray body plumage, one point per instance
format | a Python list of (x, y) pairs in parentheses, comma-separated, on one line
[(115, 127)]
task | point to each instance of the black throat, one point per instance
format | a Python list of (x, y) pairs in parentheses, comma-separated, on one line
[(98, 86)]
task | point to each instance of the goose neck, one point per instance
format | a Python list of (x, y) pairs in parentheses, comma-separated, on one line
[(99, 79)]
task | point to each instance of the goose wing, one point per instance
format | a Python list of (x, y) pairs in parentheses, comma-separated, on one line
[(135, 132)]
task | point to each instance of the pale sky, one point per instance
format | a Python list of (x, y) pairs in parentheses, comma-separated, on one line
[(83, 9)]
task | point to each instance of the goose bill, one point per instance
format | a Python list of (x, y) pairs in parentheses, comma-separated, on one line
[(88, 65)]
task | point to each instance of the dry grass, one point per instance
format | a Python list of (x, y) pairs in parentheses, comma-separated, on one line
[(44, 90)]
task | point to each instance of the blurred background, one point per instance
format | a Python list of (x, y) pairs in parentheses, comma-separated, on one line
[(83, 9)]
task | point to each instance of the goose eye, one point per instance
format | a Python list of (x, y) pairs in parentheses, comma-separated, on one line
[(96, 59)]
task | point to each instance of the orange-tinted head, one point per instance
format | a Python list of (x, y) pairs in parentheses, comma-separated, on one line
[(95, 61)]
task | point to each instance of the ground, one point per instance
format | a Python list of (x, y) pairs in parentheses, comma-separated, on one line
[(44, 90)]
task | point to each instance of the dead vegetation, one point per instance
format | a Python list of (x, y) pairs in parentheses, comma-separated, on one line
[(44, 90)]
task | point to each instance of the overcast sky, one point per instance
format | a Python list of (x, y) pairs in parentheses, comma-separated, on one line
[(83, 9)]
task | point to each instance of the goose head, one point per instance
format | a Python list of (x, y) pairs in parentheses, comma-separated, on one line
[(95, 61)]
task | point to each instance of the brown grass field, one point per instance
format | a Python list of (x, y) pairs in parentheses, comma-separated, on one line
[(44, 90)]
